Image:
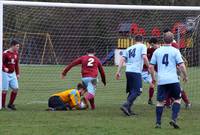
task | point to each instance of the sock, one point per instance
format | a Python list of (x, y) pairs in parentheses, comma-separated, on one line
[(175, 111), (3, 99), (92, 104), (128, 105), (131, 98), (12, 97), (185, 97), (151, 92), (159, 111)]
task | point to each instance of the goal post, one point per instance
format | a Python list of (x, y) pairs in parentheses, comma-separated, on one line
[(1, 45), (53, 34), (100, 6)]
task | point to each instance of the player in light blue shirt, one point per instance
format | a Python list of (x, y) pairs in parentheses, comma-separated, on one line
[(167, 59), (134, 57)]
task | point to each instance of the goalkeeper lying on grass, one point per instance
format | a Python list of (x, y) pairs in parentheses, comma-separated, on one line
[(68, 100)]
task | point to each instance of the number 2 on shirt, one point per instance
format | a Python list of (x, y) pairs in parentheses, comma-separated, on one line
[(165, 60), (13, 61), (90, 62)]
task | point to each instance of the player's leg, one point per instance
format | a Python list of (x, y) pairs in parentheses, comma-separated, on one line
[(51, 104), (161, 96), (147, 79), (151, 93), (137, 90), (129, 89), (93, 87), (134, 87), (168, 101), (5, 87), (176, 94), (4, 93), (185, 99), (90, 98), (55, 103), (13, 83), (90, 84), (151, 89)]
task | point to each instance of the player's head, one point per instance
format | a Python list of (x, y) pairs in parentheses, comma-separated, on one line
[(138, 38), (166, 30), (90, 50), (168, 37), (81, 88), (154, 42), (14, 45)]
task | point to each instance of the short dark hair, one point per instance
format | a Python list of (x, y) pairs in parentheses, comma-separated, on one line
[(14, 42), (90, 50), (138, 38), (80, 86), (153, 40), (168, 37), (166, 30)]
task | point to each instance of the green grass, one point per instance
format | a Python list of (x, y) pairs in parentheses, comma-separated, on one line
[(37, 83)]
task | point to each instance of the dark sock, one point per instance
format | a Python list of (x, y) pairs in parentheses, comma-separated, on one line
[(12, 97), (151, 92), (175, 111), (185, 97), (128, 105), (3, 99), (131, 98), (159, 111), (92, 104)]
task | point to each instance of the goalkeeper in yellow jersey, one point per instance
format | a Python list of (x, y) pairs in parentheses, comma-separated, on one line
[(68, 100)]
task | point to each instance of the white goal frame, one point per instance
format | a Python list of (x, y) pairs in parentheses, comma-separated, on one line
[(76, 5)]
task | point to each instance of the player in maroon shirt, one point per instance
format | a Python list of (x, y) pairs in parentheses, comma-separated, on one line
[(90, 65), (10, 74), (145, 74), (183, 93)]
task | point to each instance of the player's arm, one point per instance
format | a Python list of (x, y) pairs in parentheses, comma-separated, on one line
[(152, 72), (68, 67), (4, 61), (146, 61), (181, 66), (17, 68), (144, 56), (78, 103), (102, 72), (121, 63), (75, 101), (153, 62)]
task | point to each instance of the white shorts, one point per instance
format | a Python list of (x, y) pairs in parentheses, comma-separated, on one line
[(90, 84), (146, 76), (9, 80)]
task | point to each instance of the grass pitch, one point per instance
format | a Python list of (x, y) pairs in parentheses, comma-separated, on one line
[(37, 83)]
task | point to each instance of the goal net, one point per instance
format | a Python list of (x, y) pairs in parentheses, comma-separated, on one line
[(53, 34)]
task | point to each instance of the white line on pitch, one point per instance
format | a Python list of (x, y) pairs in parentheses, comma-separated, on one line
[(38, 102)]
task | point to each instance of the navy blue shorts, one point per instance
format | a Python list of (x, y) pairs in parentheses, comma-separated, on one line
[(173, 90), (56, 103), (134, 82)]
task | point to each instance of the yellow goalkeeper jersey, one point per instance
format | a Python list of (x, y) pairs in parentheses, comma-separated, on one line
[(70, 96)]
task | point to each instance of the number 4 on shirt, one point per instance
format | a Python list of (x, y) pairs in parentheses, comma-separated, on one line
[(165, 60)]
